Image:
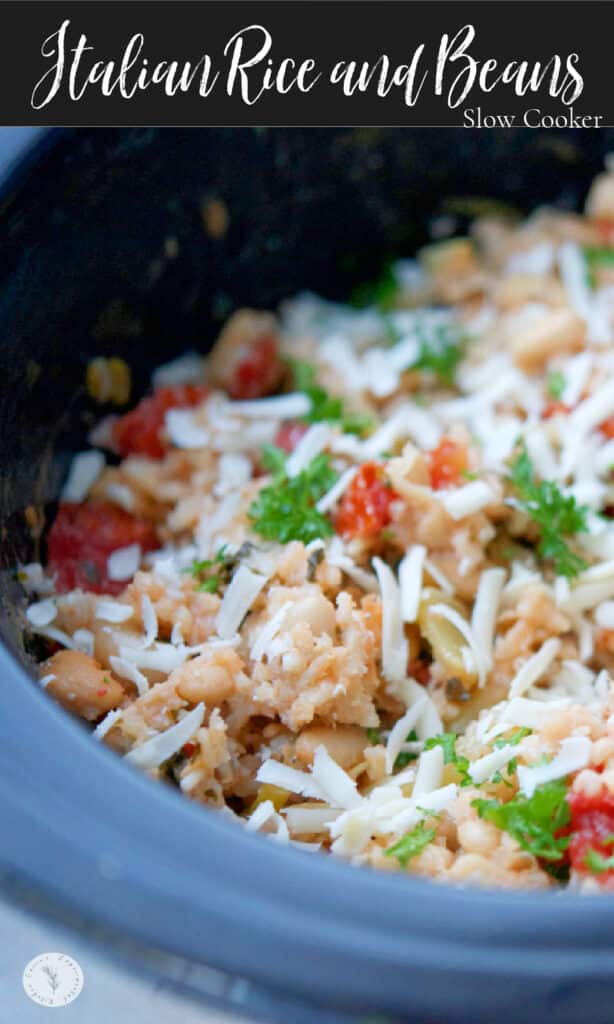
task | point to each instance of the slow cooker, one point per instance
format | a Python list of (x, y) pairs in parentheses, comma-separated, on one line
[(104, 251)]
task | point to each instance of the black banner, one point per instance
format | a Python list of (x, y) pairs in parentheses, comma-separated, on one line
[(499, 64)]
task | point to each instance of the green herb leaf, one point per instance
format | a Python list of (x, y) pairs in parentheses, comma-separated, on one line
[(556, 514), (514, 739), (412, 844), (325, 407), (447, 740), (597, 256), (406, 756), (596, 863), (285, 510), (441, 350), (374, 737), (381, 292), (533, 821), (201, 567), (555, 384)]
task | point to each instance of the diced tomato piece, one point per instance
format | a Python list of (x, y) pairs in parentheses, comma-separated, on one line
[(607, 428), (605, 227), (83, 536), (188, 749), (139, 432), (592, 828), (364, 509), (259, 371), (289, 435), (447, 463), (555, 409)]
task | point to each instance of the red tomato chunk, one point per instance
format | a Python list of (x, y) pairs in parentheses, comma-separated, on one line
[(364, 509), (258, 370), (289, 435), (607, 428), (139, 432), (592, 828), (82, 538), (447, 463)]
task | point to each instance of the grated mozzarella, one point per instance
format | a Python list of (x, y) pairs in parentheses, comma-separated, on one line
[(534, 667), (394, 641), (330, 499), (410, 581), (485, 610), (85, 468), (313, 441), (127, 670), (107, 723), (150, 621), (41, 613), (282, 407), (465, 501), (575, 753), (243, 590), (400, 730), (113, 611), (338, 788), (274, 773), (308, 820), (154, 752), (604, 615), (430, 772), (183, 429), (485, 767), (124, 562), (530, 714), (268, 632)]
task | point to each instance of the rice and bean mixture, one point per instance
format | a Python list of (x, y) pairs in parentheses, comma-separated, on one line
[(350, 579)]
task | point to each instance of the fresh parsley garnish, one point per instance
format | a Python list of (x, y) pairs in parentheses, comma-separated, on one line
[(596, 256), (412, 844), (557, 515), (533, 821), (441, 350), (555, 384), (514, 739), (406, 756), (325, 407), (286, 509), (201, 570), (381, 292), (597, 863), (447, 740), (374, 737)]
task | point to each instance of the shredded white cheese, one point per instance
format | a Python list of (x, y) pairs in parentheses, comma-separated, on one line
[(465, 501), (124, 562), (535, 667), (410, 581), (154, 752), (312, 443), (85, 469), (113, 611), (238, 599), (394, 641), (575, 753)]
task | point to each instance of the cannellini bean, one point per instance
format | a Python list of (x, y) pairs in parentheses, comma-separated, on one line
[(198, 680), (314, 611), (477, 836), (345, 744), (558, 332), (516, 290), (81, 685)]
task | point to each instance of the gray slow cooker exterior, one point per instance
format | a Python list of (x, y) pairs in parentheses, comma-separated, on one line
[(97, 838)]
